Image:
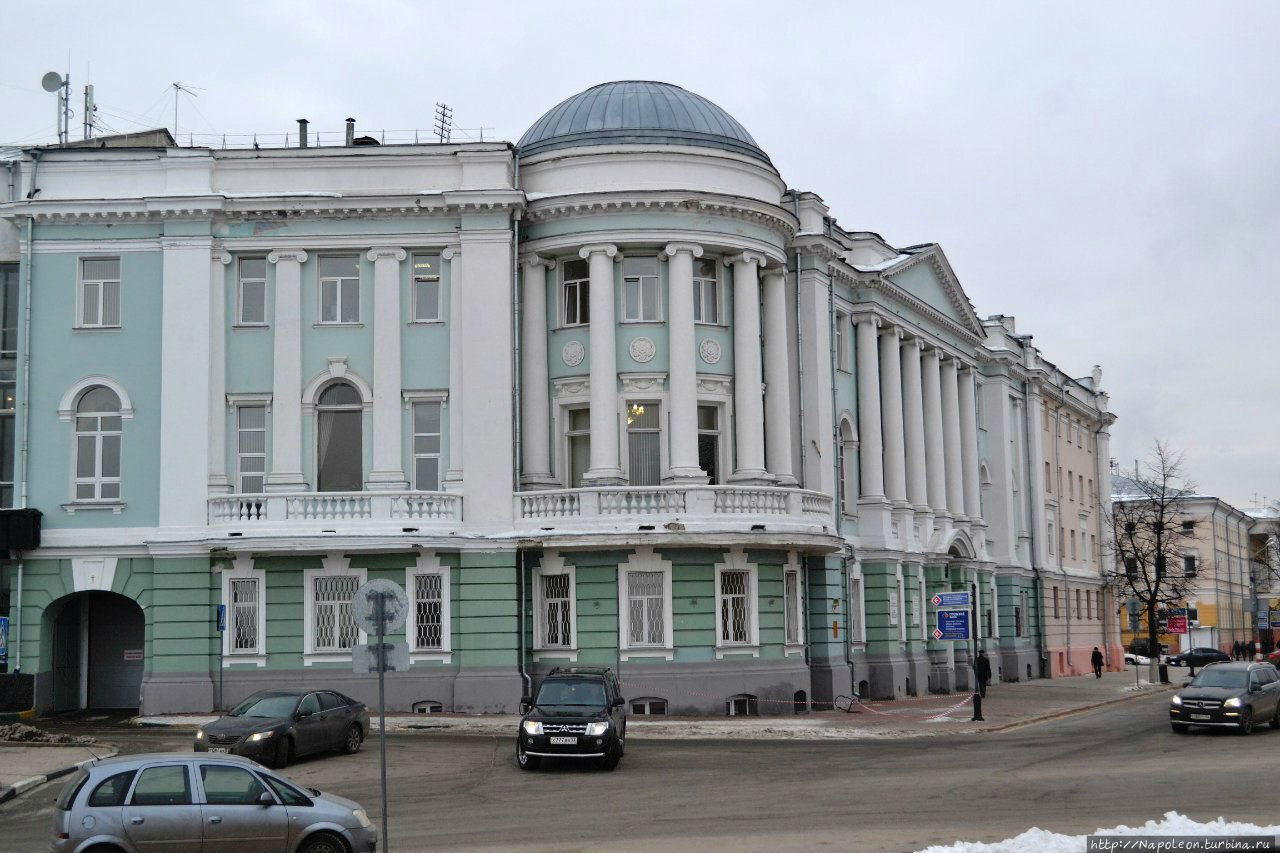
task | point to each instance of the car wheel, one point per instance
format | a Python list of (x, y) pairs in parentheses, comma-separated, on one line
[(322, 842), (611, 758), (283, 754), (525, 760), (355, 737), (1180, 728), (1246, 721)]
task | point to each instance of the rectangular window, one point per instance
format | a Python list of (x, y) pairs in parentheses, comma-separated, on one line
[(1056, 613), (709, 443), (641, 302), (426, 288), (1017, 620), (1049, 538), (842, 342), (1071, 486), (251, 447), (1073, 544), (577, 293), (735, 613), (1048, 480), (855, 610), (646, 609), (99, 293), (1077, 605), (340, 290), (243, 619), (791, 607), (8, 311), (1188, 527), (252, 292), (1023, 616), (97, 456), (428, 611), (557, 618), (1131, 566), (1189, 567), (333, 626), (644, 444), (579, 435), (426, 447), (167, 785), (1080, 486), (706, 292), (1088, 603)]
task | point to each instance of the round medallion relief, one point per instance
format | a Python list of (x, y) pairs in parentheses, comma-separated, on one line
[(573, 354), (643, 349), (710, 351)]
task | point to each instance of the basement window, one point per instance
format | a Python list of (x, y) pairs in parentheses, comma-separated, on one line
[(428, 707), (649, 706), (742, 705)]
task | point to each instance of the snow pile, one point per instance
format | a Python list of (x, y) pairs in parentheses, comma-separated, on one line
[(21, 733), (1038, 840), (1142, 685)]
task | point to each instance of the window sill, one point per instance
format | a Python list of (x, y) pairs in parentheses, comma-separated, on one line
[(793, 649), (337, 325), (231, 660), (711, 325), (116, 507), (309, 658), (97, 328), (641, 322), (250, 326), (570, 655), (425, 323), (654, 652), (723, 651), (427, 655)]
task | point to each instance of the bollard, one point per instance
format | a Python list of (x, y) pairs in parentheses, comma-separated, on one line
[(977, 708)]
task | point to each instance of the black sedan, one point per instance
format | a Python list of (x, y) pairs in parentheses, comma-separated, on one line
[(1199, 657), (274, 726), (1234, 695)]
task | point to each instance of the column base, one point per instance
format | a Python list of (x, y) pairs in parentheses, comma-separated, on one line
[(386, 481), (750, 477), (287, 481), (786, 481), (452, 481), (219, 484), (874, 522), (535, 482), (603, 477), (692, 476)]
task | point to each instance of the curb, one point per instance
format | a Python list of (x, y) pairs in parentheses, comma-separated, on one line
[(22, 786), (1067, 712), (17, 716)]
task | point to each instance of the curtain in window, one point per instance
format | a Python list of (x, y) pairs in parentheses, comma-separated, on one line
[(644, 446)]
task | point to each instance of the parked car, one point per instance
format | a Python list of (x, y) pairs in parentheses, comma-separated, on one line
[(177, 801), (275, 726), (579, 713), (1199, 657), (1237, 695)]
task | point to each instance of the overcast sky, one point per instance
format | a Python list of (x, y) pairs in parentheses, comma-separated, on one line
[(1105, 172)]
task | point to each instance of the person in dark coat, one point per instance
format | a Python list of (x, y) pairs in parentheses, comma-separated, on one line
[(982, 668), (1235, 650), (1253, 650), (1097, 661)]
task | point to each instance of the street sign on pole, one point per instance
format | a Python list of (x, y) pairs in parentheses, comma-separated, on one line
[(1275, 618), (367, 658), (1177, 624), (951, 599), (952, 625), (4, 643)]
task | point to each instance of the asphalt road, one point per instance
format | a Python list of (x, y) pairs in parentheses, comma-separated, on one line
[(1119, 764)]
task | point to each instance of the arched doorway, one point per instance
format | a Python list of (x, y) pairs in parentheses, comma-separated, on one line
[(97, 651)]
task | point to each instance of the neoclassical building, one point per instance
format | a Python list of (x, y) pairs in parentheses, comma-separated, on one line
[(614, 394)]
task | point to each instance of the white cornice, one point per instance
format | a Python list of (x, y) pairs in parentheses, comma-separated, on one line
[(672, 201), (561, 244)]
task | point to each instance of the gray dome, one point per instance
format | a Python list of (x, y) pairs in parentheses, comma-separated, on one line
[(637, 112)]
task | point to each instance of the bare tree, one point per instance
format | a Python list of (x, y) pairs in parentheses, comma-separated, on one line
[(1146, 522)]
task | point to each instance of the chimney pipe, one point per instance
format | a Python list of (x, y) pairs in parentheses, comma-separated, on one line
[(302, 133), (351, 131)]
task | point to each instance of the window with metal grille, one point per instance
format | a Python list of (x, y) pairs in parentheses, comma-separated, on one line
[(426, 447), (557, 618), (706, 292), (98, 446), (428, 612), (99, 293), (791, 607), (244, 615), (577, 293), (340, 289), (251, 447), (735, 615), (426, 288), (252, 296), (644, 444), (333, 628), (646, 609)]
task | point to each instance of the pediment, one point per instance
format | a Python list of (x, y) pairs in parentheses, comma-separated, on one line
[(926, 276)]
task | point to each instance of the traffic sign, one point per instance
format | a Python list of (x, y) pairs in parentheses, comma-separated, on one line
[(951, 599), (1177, 625), (222, 618), (4, 640), (364, 606), (952, 625), (393, 657), (1275, 618)]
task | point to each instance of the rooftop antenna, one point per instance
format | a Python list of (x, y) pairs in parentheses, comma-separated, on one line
[(90, 109), (444, 122), (55, 82), (179, 88)]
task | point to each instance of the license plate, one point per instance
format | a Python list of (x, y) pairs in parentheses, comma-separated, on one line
[(1201, 717), (217, 749), (564, 741)]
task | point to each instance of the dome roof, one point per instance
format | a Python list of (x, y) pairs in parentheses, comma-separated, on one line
[(637, 112)]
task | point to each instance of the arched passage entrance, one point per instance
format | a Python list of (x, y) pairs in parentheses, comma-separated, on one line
[(97, 649)]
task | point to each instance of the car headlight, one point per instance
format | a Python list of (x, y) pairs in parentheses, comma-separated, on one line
[(597, 729), (361, 818), (1176, 700), (532, 727), (257, 736), (199, 734), (1233, 702)]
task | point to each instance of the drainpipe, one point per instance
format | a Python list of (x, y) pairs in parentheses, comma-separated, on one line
[(1062, 537), (1038, 583), (9, 164), (24, 397), (517, 379), (522, 560), (800, 359), (1106, 650)]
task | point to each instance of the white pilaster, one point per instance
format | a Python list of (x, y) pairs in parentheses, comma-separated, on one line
[(286, 387), (935, 456), (777, 379), (683, 415), (969, 445), (895, 472), (453, 474), (535, 407), (871, 448), (951, 438), (748, 399), (388, 449), (813, 318), (1035, 461), (218, 482), (605, 468), (913, 425)]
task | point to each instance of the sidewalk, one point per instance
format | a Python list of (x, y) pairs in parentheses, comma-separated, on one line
[(25, 766), (1006, 706)]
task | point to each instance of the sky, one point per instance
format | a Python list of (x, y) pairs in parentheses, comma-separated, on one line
[(1104, 172)]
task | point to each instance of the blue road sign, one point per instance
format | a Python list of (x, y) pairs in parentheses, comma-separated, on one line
[(222, 618), (951, 599), (1275, 618), (4, 640), (952, 625)]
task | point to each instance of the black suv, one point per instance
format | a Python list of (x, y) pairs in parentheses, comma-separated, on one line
[(579, 713), (1238, 695)]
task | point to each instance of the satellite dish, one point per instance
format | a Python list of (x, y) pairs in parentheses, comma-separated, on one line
[(51, 82)]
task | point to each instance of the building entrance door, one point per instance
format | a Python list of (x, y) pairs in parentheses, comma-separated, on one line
[(97, 652)]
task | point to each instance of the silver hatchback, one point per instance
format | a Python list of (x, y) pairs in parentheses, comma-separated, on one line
[(190, 802)]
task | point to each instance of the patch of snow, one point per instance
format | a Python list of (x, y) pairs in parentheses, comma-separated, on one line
[(1036, 840)]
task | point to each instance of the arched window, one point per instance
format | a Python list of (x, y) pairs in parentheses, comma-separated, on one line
[(847, 464), (339, 442), (98, 445)]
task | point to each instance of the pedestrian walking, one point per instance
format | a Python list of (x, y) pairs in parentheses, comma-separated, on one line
[(982, 668), (1096, 660), (1235, 650), (1253, 650)]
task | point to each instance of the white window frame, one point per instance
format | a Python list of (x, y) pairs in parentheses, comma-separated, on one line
[(553, 563), (645, 560), (639, 281), (97, 480), (924, 606), (583, 320), (331, 564), (659, 400), (428, 563), (847, 455), (700, 301), (736, 561), (240, 282), (81, 282), (719, 432), (793, 567), (1024, 602), (857, 606), (242, 568), (414, 455), (266, 443), (843, 329), (342, 283), (414, 307)]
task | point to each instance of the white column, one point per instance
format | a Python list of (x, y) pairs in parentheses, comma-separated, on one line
[(605, 468), (934, 455), (1035, 461), (870, 447), (969, 445), (453, 474), (683, 382), (286, 386), (913, 425), (748, 399), (535, 405), (388, 447), (218, 482), (813, 349), (895, 473), (777, 379), (951, 438)]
